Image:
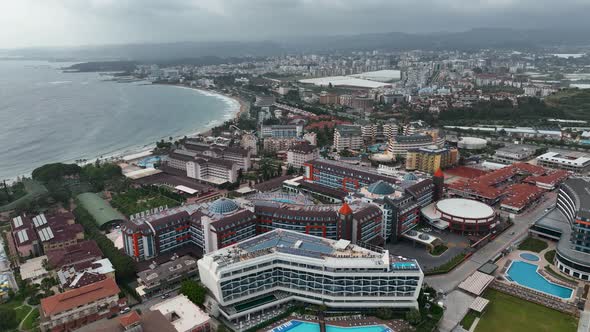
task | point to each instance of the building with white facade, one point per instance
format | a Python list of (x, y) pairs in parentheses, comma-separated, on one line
[(299, 154), (184, 315), (277, 268), (579, 163), (514, 153), (281, 131), (400, 145), (348, 137), (208, 169)]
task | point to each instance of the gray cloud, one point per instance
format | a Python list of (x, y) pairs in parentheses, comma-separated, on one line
[(75, 22)]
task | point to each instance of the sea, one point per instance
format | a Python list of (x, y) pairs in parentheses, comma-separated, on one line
[(48, 116)]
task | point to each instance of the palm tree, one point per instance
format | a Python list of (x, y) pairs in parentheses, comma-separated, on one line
[(267, 168)]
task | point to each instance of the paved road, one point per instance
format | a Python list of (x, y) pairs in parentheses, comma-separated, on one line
[(447, 283), (145, 305), (457, 304), (584, 322)]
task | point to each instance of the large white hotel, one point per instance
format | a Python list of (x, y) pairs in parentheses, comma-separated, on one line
[(277, 268)]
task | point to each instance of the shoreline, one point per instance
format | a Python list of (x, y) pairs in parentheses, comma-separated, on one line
[(242, 103), (130, 152), (238, 108)]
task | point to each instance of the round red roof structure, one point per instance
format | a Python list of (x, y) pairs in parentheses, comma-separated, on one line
[(345, 210)]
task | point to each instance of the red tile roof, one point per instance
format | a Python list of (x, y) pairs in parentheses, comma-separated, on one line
[(507, 182), (521, 194), (84, 251), (71, 299), (129, 319)]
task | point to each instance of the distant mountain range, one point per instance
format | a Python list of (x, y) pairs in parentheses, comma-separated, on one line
[(213, 51)]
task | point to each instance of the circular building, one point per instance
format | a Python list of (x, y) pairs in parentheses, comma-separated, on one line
[(471, 143), (461, 215)]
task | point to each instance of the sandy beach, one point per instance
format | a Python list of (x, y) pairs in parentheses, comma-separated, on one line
[(144, 151), (244, 107)]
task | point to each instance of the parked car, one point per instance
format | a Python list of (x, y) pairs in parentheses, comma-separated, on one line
[(125, 310)]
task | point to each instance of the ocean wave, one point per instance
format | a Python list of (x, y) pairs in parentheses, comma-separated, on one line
[(59, 82)]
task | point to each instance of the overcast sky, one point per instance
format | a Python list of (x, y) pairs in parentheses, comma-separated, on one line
[(25, 23)]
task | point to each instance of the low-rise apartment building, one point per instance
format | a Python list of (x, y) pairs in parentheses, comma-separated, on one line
[(75, 308), (575, 162)]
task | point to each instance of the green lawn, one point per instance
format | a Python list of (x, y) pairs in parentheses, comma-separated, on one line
[(15, 302), (533, 244), (510, 314), (439, 250), (550, 256), (138, 200), (21, 312), (31, 320), (468, 319)]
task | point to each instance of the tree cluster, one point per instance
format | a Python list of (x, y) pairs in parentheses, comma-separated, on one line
[(123, 264), (194, 291)]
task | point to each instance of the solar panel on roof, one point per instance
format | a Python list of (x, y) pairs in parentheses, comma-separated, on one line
[(50, 233), (18, 221), (23, 236), (39, 220), (46, 234)]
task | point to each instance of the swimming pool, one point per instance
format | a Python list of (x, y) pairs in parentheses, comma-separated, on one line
[(149, 162), (284, 200), (526, 274), (299, 326), (529, 257)]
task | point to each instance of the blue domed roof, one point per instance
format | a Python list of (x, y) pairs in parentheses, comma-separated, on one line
[(223, 206), (410, 177), (381, 188)]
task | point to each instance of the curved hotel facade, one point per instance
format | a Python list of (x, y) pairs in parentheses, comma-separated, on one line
[(569, 223), (573, 257), (273, 269)]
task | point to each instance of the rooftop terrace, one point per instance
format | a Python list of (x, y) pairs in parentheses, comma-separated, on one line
[(298, 244)]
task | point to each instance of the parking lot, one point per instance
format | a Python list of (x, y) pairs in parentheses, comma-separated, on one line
[(406, 248)]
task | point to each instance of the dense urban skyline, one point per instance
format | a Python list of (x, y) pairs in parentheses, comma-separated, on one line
[(67, 23)]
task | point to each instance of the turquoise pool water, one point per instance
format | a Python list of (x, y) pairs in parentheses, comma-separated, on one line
[(529, 257), (284, 200), (299, 326), (525, 274), (149, 161)]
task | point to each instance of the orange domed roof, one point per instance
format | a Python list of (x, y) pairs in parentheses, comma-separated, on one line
[(439, 173), (345, 209)]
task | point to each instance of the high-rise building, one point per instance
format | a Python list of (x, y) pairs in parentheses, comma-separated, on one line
[(348, 137), (273, 269), (299, 154), (569, 224), (400, 145), (431, 158), (328, 98)]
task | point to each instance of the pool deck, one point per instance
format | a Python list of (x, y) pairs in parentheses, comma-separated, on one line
[(396, 325), (541, 263)]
